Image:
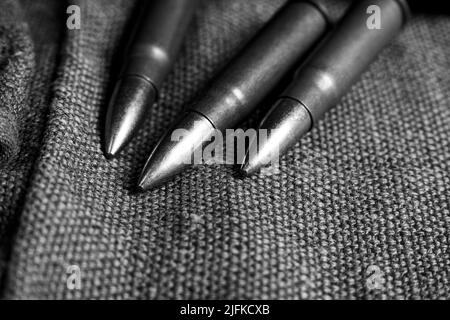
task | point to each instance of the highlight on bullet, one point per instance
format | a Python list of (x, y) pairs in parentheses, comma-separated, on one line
[(322, 81), (291, 120), (156, 41), (196, 142), (248, 78), (173, 154), (127, 110)]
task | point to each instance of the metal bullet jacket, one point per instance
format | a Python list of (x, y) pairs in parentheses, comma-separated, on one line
[(243, 84), (328, 74), (149, 58)]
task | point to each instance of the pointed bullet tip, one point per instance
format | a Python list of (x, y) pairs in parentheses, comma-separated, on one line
[(244, 172), (144, 184), (112, 145), (109, 156), (126, 112), (247, 170), (110, 152), (148, 181), (140, 188)]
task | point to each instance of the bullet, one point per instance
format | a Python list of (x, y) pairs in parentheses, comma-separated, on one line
[(156, 42), (242, 85), (326, 76)]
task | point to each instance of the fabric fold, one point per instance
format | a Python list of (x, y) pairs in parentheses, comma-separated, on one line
[(16, 68), (29, 42)]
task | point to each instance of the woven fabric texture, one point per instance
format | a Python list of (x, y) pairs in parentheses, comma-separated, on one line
[(368, 190)]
